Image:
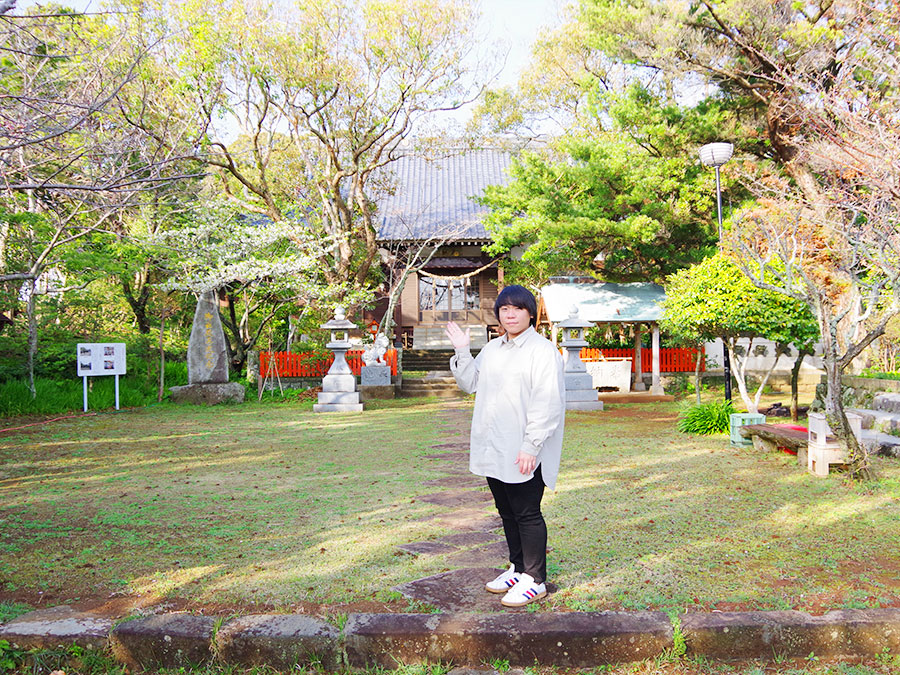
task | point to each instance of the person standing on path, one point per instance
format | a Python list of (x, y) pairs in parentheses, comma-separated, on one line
[(517, 432)]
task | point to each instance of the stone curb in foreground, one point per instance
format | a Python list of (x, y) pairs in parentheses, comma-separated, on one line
[(570, 639)]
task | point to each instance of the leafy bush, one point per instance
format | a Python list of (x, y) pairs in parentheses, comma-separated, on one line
[(879, 374), (706, 418)]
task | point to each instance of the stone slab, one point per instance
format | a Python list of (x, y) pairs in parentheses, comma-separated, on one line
[(368, 392), (337, 407), (207, 357), (565, 640), (747, 635), (457, 497), (339, 383), (576, 381), (474, 538), (459, 590), (496, 553), (466, 520), (57, 627), (209, 394), (427, 548), (375, 375), (335, 397), (581, 395), (280, 641), (466, 480), (584, 405), (163, 641)]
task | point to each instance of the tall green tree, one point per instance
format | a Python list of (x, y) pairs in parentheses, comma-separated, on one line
[(630, 203), (817, 85), (714, 299)]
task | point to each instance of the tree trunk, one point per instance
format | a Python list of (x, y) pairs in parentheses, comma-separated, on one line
[(857, 457), (795, 376), (162, 359), (32, 334), (138, 303)]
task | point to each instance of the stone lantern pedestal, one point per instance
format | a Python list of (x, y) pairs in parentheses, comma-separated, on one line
[(339, 392), (580, 392)]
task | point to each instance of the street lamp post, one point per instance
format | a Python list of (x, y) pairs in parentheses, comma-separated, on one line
[(715, 155)]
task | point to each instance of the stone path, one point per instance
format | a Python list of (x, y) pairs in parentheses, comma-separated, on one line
[(477, 546)]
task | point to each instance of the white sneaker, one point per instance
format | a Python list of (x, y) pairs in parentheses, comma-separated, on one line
[(523, 592), (503, 582)]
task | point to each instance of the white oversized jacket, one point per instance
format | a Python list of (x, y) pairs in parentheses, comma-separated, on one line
[(520, 405)]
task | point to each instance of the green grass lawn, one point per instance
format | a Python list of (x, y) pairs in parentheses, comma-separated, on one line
[(268, 504)]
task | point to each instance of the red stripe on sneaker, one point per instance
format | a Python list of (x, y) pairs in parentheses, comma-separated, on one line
[(530, 593)]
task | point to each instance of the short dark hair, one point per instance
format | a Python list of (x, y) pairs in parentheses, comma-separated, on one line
[(517, 296)]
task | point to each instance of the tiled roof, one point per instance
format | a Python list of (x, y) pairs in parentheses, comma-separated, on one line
[(434, 197), (604, 302)]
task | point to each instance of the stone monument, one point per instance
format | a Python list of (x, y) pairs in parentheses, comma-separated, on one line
[(339, 385), (207, 360), (580, 392), (375, 376)]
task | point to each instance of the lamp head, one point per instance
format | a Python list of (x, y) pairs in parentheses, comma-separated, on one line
[(716, 154)]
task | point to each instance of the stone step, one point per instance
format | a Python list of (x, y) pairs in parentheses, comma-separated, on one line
[(440, 386), (878, 443), (887, 402), (879, 420)]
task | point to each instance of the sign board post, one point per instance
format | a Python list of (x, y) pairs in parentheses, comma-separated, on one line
[(100, 358)]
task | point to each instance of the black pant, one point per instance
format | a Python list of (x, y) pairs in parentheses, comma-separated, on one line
[(519, 505)]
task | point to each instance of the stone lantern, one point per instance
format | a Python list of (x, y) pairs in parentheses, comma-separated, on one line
[(580, 392), (339, 392)]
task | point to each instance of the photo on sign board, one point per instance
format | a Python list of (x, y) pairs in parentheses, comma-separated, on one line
[(84, 366), (109, 365), (109, 351), (84, 351)]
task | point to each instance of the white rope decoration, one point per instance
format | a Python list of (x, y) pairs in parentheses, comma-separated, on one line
[(461, 276)]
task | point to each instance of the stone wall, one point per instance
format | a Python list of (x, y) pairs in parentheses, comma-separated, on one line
[(859, 391)]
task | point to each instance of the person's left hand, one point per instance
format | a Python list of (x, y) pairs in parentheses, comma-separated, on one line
[(526, 463)]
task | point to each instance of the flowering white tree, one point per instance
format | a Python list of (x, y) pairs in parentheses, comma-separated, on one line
[(258, 266)]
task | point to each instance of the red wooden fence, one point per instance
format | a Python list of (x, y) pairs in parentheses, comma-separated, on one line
[(309, 364), (671, 359)]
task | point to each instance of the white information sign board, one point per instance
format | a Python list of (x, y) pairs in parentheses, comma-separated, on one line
[(100, 358)]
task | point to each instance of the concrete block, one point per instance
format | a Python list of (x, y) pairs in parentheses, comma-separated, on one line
[(820, 457), (584, 405), (749, 635), (163, 641), (579, 381), (581, 395), (339, 383), (337, 407), (373, 392), (279, 641), (566, 640), (338, 397), (57, 627)]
